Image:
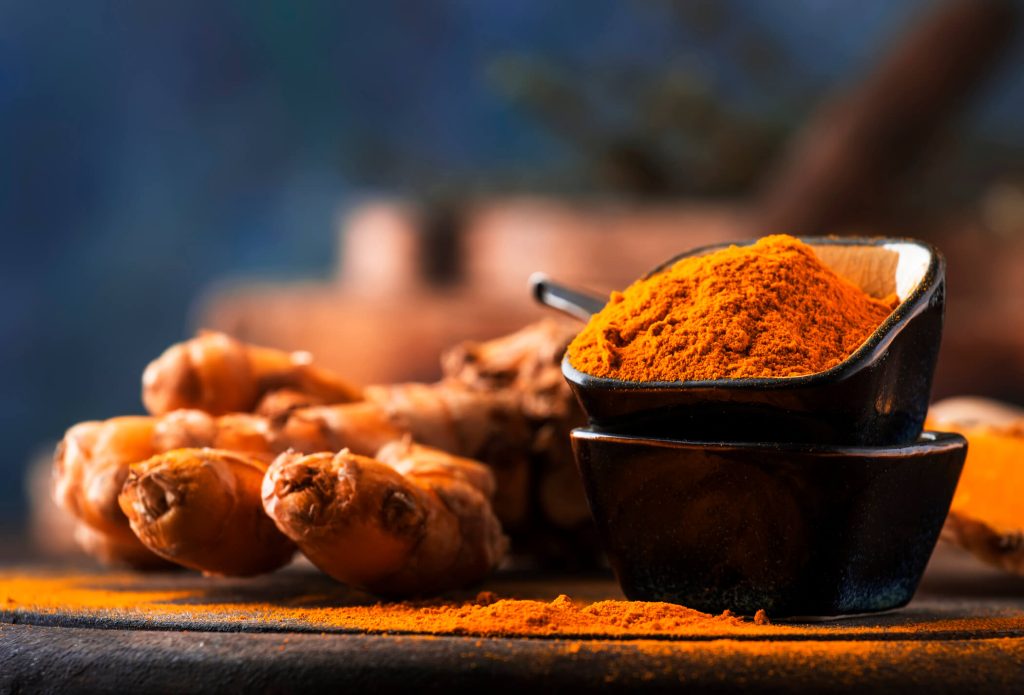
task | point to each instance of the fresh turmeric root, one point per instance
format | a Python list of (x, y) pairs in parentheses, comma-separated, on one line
[(278, 404), (525, 364), (423, 462), (238, 432), (201, 508), (415, 521), (986, 517), (480, 425), (90, 466), (540, 500), (360, 427), (503, 402), (215, 373), (443, 415), (92, 463), (111, 551)]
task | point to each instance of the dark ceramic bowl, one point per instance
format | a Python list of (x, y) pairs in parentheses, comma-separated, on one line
[(878, 396), (795, 529)]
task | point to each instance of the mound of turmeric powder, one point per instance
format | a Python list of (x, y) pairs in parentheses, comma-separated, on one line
[(125, 597), (771, 309)]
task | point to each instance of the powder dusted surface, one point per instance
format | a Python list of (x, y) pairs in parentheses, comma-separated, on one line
[(131, 598), (305, 601), (964, 632), (771, 309)]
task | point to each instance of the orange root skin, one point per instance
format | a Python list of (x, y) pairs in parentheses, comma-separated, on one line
[(201, 509), (986, 517), (115, 552), (91, 464), (370, 526), (215, 373)]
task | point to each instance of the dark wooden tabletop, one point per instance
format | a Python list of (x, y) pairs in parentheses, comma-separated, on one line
[(964, 632)]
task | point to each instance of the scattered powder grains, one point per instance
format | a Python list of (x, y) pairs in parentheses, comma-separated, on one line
[(486, 615), (668, 643), (563, 616), (772, 309), (127, 598)]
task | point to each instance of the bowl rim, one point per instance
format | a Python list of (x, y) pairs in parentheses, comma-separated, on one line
[(928, 442), (860, 358)]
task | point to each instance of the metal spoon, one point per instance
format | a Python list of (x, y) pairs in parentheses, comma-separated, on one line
[(576, 303)]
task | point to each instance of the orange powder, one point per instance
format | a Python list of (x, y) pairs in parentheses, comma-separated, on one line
[(772, 309), (122, 597), (133, 600)]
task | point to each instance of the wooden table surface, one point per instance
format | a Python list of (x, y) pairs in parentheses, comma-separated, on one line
[(964, 631)]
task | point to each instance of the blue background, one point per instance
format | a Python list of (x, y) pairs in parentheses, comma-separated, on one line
[(149, 149)]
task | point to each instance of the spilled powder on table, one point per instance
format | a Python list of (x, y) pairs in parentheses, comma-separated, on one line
[(126, 597), (119, 597)]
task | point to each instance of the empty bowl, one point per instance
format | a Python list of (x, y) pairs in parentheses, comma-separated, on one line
[(794, 529), (877, 396)]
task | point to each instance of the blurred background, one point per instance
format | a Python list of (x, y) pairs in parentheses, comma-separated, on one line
[(373, 181)]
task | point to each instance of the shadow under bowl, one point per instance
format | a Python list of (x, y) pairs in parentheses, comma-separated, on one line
[(877, 396), (797, 530)]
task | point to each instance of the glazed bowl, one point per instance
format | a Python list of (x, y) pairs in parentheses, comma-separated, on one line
[(877, 396), (795, 529)]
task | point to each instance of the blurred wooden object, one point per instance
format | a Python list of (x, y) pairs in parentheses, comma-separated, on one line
[(983, 343), (389, 314), (846, 167), (846, 164), (383, 318), (379, 320), (413, 281)]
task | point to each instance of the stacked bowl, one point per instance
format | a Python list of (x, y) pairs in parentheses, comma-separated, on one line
[(816, 495)]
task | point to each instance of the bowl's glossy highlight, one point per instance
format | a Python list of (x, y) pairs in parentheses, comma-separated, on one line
[(878, 396), (795, 529)]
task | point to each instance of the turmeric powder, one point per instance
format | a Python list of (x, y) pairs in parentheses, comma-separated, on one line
[(771, 309), (300, 603), (486, 615)]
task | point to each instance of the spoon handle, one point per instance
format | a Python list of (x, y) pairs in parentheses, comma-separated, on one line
[(575, 303)]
